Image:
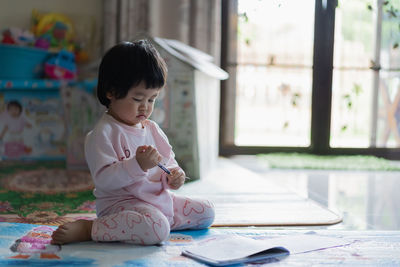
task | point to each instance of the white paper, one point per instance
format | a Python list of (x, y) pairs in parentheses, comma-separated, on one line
[(228, 248), (236, 247), (308, 242)]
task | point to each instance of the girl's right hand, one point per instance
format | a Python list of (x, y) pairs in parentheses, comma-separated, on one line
[(147, 157)]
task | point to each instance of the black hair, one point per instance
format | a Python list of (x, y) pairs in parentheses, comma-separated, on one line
[(14, 103), (128, 64)]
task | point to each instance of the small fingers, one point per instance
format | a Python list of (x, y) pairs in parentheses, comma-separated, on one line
[(176, 179), (154, 156), (146, 149)]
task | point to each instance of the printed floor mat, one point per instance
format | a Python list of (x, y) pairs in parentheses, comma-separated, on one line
[(44, 193), (27, 245), (47, 193)]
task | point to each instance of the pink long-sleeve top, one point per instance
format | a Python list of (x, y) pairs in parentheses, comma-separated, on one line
[(110, 153)]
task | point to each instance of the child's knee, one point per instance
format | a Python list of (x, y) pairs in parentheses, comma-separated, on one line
[(158, 230), (207, 217), (144, 228)]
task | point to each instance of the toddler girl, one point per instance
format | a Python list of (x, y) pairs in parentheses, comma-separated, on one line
[(133, 199)]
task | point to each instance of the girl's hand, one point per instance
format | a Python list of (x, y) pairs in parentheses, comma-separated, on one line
[(176, 178), (147, 157)]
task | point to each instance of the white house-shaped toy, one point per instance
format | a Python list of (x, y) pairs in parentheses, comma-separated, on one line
[(188, 108)]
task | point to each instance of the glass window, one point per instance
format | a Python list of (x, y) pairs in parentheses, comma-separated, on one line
[(361, 27), (274, 73), (388, 111), (352, 77)]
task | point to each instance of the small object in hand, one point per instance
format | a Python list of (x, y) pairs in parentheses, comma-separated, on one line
[(168, 172), (163, 168)]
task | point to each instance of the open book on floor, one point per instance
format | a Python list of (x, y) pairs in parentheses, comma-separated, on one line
[(234, 249)]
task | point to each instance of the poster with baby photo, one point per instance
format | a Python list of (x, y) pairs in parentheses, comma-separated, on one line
[(31, 125)]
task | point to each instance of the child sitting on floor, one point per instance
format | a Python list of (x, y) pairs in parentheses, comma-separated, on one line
[(133, 201)]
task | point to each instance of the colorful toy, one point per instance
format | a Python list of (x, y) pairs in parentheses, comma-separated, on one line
[(55, 28), (7, 38), (61, 66), (43, 41), (81, 56), (17, 36), (35, 241), (54, 32)]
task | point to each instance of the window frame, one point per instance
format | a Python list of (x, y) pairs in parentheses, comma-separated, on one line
[(324, 28)]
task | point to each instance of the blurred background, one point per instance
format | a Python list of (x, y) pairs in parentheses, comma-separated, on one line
[(313, 76)]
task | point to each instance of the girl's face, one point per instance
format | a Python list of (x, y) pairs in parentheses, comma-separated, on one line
[(135, 107), (14, 111)]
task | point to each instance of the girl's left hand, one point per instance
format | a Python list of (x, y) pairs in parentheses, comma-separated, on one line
[(176, 178)]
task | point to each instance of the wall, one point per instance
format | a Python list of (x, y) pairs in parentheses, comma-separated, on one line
[(85, 14)]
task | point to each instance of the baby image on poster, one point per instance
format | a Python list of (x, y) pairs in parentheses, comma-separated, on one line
[(12, 125)]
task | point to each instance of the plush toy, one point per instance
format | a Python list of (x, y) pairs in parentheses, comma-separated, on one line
[(7, 38), (43, 41), (54, 29), (54, 32), (17, 36)]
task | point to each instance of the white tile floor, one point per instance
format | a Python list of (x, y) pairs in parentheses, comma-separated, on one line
[(243, 198), (367, 200)]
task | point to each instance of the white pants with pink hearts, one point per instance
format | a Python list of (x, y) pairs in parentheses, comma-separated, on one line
[(137, 222)]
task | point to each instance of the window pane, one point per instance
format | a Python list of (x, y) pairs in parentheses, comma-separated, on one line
[(351, 108), (352, 78), (390, 52), (388, 126), (274, 73)]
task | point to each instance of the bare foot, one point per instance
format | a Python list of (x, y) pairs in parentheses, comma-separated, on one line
[(77, 231)]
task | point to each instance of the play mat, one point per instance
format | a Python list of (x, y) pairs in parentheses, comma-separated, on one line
[(366, 248), (44, 193)]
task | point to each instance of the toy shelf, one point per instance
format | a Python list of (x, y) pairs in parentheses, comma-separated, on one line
[(44, 84)]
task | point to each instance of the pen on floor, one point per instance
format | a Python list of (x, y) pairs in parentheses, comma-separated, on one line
[(167, 171)]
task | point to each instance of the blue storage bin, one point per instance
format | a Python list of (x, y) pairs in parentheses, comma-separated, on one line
[(18, 62)]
